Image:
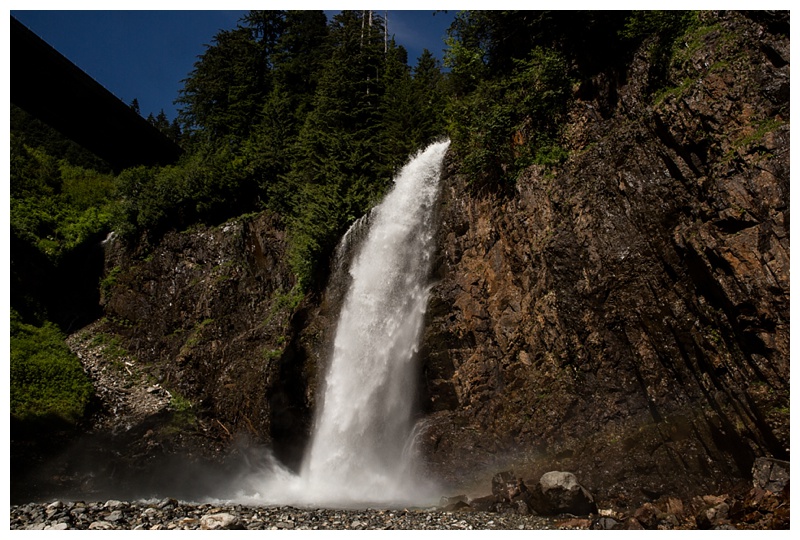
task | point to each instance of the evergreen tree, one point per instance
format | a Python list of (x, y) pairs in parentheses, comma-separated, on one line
[(337, 164), (298, 59), (430, 100), (174, 132), (224, 94), (398, 112)]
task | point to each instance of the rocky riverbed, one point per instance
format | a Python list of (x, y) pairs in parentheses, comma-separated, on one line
[(764, 506), (167, 514)]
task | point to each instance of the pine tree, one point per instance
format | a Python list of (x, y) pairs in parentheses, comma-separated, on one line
[(336, 173), (224, 94), (397, 110), (430, 100)]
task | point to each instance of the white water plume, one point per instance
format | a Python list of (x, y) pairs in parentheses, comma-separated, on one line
[(361, 450)]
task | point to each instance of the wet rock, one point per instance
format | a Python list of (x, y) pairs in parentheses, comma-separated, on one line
[(606, 523), (521, 507), (575, 523), (633, 524), (648, 515), (114, 516), (460, 505)]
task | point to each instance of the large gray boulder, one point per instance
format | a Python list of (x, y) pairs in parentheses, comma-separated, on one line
[(560, 493)]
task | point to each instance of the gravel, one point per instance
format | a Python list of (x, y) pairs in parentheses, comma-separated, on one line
[(169, 514)]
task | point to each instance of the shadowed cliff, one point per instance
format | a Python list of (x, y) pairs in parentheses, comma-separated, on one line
[(626, 315)]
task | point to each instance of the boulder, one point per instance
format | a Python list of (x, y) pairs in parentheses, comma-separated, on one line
[(484, 504), (559, 492), (221, 520)]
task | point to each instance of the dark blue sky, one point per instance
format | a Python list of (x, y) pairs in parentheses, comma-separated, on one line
[(146, 54)]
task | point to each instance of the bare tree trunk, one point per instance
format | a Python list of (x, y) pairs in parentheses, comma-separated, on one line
[(363, 16)]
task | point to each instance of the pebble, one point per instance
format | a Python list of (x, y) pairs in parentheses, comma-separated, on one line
[(169, 514)]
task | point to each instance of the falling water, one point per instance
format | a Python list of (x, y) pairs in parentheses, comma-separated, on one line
[(361, 450)]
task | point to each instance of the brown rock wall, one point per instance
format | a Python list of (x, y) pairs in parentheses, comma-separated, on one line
[(626, 316), (210, 313)]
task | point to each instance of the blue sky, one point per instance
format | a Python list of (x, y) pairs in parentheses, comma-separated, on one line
[(146, 54)]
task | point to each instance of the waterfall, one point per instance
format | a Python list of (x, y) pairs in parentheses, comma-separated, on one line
[(361, 446)]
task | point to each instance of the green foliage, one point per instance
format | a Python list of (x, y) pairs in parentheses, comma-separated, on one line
[(512, 73), (287, 111), (338, 169), (113, 350), (184, 417), (663, 30), (288, 301), (224, 92), (512, 122), (55, 206), (34, 133), (487, 44), (108, 282), (210, 185), (46, 378)]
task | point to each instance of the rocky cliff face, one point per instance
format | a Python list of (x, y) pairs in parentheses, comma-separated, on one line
[(626, 317), (212, 315)]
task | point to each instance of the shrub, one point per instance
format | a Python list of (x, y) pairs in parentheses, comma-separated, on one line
[(512, 122), (47, 379)]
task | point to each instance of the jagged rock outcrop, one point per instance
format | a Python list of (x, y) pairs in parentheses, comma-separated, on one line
[(626, 316), (213, 316)]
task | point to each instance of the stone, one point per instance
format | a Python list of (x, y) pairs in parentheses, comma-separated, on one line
[(447, 501), (484, 504), (222, 520), (114, 516), (456, 506), (647, 515), (508, 488), (559, 492), (606, 523), (770, 474), (713, 512), (521, 507), (632, 524)]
